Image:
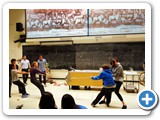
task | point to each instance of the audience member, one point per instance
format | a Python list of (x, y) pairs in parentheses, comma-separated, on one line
[(68, 102), (47, 101)]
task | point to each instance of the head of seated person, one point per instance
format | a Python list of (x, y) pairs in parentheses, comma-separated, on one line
[(47, 101), (68, 102)]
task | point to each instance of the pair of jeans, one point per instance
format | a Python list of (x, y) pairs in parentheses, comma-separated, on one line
[(107, 92)]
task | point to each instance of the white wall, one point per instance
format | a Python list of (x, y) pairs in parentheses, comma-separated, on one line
[(15, 49)]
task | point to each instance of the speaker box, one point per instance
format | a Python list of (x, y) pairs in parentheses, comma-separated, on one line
[(19, 27)]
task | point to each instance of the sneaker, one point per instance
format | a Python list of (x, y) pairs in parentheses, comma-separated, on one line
[(124, 107), (102, 102), (27, 94), (24, 96), (19, 106), (93, 105)]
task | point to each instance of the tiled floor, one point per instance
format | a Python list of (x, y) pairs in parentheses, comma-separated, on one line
[(82, 97)]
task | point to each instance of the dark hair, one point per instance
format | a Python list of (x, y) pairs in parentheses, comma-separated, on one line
[(105, 66), (13, 60), (47, 101), (68, 102), (113, 62), (40, 55), (116, 59)]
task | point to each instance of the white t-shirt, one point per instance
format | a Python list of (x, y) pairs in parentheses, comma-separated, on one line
[(25, 64)]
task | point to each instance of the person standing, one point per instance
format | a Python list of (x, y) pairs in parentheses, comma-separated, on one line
[(42, 67), (118, 74), (108, 85), (34, 70), (25, 66)]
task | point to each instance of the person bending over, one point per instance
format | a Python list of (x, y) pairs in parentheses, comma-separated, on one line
[(108, 85), (34, 70), (47, 101), (68, 102)]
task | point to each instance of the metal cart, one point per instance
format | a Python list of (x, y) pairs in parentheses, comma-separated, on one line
[(131, 83)]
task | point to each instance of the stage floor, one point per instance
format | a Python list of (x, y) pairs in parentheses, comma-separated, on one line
[(82, 97)]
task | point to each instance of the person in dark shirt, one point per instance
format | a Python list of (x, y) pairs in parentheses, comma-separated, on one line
[(34, 70), (13, 62)]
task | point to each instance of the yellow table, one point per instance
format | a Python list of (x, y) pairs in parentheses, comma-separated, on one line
[(83, 78)]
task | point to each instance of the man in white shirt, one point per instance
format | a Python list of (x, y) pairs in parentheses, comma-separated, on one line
[(25, 66)]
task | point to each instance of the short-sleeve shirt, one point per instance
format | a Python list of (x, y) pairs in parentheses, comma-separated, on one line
[(41, 65), (25, 64)]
